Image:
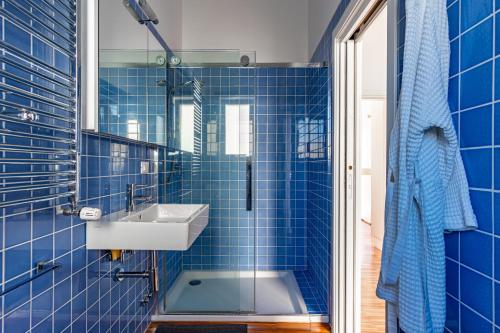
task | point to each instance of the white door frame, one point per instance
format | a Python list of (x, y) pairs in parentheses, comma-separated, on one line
[(345, 301)]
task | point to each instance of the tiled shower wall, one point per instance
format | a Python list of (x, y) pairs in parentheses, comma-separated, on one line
[(280, 168), (280, 187), (292, 169), (319, 171), (212, 175), (319, 186)]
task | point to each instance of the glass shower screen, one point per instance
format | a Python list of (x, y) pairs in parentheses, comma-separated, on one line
[(210, 112)]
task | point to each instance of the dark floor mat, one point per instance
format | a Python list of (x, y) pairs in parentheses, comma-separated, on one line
[(172, 328)]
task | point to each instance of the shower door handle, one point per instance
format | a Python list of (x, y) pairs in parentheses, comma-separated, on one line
[(249, 183)]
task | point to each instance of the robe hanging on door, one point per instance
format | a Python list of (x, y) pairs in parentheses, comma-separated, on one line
[(427, 190)]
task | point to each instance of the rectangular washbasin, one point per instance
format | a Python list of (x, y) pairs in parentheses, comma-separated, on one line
[(158, 227)]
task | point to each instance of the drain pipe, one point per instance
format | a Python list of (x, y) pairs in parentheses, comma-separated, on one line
[(119, 274)]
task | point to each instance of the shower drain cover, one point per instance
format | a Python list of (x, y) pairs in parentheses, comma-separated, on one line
[(194, 282)]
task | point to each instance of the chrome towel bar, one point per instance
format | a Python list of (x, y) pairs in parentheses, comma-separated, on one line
[(37, 199), (39, 125), (41, 268)]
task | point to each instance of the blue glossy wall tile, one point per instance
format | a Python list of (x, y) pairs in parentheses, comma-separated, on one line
[(476, 85), (454, 20), (470, 321), (475, 127), (63, 300), (473, 11), (477, 44), (480, 297), (482, 203), (472, 257), (319, 169), (319, 203), (79, 286), (452, 314), (454, 63), (280, 168), (452, 272), (279, 201), (477, 164)]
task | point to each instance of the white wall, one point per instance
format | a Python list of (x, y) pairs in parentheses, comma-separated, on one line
[(374, 43), (170, 27), (119, 30), (276, 29), (320, 13)]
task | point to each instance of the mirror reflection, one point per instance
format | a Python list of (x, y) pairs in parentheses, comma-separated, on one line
[(132, 95), (132, 74), (149, 93)]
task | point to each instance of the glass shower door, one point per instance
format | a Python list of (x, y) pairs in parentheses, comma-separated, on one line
[(211, 103)]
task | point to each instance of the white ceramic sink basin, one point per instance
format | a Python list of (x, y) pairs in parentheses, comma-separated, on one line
[(158, 227)]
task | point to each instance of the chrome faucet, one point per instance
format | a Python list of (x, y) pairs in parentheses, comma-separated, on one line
[(131, 197)]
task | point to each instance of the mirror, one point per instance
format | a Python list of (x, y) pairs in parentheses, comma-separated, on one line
[(132, 94), (130, 82), (130, 73)]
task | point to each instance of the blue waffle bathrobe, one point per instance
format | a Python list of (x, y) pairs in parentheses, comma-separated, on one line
[(427, 190)]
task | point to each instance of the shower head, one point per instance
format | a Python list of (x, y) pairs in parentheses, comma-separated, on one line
[(161, 83)]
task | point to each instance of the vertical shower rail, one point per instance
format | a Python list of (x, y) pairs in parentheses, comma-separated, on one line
[(38, 104)]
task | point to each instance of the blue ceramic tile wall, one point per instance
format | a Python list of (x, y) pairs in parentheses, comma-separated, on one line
[(169, 175), (131, 101), (79, 296), (170, 192), (319, 187), (287, 140), (472, 281), (215, 177), (319, 174), (133, 94), (279, 170), (473, 257), (107, 166)]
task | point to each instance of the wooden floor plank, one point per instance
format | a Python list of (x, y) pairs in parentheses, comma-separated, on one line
[(372, 308)]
